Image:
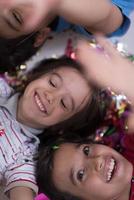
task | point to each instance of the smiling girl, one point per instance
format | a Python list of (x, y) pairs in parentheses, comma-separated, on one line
[(49, 98), (84, 170)]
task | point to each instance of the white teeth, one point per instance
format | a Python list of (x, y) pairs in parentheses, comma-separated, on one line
[(39, 103), (111, 168)]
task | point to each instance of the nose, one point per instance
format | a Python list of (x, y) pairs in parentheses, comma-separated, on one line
[(49, 97), (96, 163)]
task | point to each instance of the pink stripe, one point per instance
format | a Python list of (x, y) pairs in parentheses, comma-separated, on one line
[(32, 165), (15, 133), (22, 180), (29, 173), (12, 127), (9, 142), (6, 135), (3, 154), (5, 114)]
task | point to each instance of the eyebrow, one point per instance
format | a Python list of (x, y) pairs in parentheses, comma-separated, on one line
[(72, 174), (72, 100), (55, 73)]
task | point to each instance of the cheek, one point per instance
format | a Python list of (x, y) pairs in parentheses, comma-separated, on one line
[(100, 193), (59, 115), (81, 98), (6, 4)]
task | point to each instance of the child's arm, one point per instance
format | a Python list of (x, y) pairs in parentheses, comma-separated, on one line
[(21, 193), (20, 178), (107, 68), (94, 15)]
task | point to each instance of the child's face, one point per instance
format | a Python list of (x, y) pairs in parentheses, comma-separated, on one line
[(21, 17), (92, 172), (53, 98)]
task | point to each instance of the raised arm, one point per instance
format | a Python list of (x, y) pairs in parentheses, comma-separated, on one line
[(107, 68), (94, 15)]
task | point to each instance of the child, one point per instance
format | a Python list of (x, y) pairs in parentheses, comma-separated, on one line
[(50, 98), (106, 68), (93, 171), (23, 17), (84, 170)]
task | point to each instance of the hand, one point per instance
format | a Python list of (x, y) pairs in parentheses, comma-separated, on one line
[(106, 67)]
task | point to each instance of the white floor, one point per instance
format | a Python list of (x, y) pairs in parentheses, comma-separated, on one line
[(128, 38)]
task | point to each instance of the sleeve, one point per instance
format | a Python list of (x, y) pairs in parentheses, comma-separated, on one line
[(126, 7), (21, 175), (5, 89)]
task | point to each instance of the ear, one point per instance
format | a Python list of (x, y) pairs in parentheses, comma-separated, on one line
[(41, 36)]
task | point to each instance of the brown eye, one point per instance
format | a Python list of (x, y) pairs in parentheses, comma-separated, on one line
[(86, 150), (80, 175)]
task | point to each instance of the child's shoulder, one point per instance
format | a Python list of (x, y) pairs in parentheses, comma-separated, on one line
[(5, 89)]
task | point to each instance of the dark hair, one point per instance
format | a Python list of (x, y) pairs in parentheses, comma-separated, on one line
[(89, 117), (44, 167), (48, 65), (14, 52)]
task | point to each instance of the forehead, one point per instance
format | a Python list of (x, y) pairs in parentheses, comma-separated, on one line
[(65, 70), (75, 84), (65, 151), (62, 163)]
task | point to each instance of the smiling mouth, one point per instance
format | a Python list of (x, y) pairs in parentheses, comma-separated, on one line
[(39, 104), (111, 170)]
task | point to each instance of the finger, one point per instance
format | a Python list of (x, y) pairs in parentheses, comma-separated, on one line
[(106, 45), (89, 55)]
